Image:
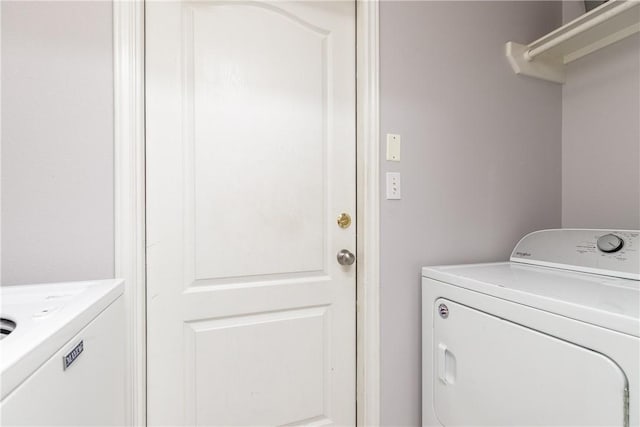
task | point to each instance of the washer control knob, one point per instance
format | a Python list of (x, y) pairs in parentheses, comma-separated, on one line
[(610, 243)]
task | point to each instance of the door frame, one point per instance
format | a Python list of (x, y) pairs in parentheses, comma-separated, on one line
[(129, 169)]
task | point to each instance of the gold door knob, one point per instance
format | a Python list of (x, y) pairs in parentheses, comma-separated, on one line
[(344, 220)]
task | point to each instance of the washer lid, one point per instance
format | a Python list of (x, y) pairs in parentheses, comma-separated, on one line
[(610, 302)]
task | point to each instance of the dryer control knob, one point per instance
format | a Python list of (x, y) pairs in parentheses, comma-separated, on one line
[(610, 243)]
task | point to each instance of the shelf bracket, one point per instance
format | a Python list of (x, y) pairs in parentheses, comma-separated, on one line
[(547, 69)]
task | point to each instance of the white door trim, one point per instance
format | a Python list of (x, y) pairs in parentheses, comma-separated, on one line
[(368, 223), (128, 42), (129, 154)]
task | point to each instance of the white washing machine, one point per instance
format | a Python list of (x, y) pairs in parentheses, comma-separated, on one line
[(62, 354), (551, 338)]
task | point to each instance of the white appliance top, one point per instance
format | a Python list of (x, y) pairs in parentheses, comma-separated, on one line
[(565, 284), (46, 317)]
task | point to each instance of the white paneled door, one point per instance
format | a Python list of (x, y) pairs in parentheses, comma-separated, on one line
[(250, 144)]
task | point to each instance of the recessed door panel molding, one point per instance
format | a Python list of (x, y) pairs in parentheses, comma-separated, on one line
[(256, 119), (258, 378), (250, 159)]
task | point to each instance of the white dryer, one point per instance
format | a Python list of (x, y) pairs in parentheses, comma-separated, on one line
[(551, 338)]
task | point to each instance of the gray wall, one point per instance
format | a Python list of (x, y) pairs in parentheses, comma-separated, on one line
[(481, 158), (601, 136), (57, 141)]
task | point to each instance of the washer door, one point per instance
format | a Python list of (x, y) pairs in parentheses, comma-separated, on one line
[(490, 372)]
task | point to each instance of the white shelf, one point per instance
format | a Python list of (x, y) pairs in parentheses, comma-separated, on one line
[(546, 57)]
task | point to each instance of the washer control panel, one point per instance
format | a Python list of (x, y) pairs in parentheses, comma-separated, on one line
[(608, 252)]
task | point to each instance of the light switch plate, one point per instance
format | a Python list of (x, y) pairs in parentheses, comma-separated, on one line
[(393, 186), (393, 147)]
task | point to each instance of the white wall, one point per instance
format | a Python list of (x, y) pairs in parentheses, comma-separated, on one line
[(601, 136), (481, 158), (57, 141)]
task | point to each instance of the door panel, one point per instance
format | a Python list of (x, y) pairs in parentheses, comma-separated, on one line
[(250, 158), (278, 356), (491, 372), (259, 131)]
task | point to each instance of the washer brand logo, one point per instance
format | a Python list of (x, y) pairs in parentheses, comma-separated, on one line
[(523, 254), (72, 356)]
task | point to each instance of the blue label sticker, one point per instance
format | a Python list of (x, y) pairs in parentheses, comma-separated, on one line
[(72, 355)]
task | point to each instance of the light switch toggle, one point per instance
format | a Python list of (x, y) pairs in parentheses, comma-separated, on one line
[(394, 191)]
